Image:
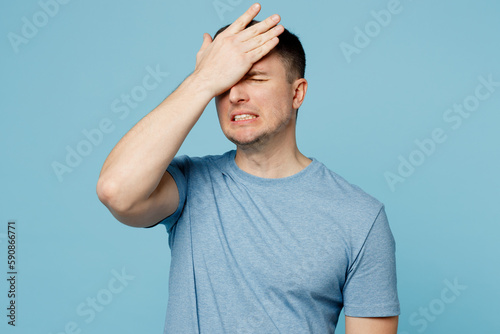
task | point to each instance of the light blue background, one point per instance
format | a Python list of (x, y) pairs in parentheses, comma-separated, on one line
[(358, 118)]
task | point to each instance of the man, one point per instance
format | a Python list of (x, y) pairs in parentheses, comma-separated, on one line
[(263, 239)]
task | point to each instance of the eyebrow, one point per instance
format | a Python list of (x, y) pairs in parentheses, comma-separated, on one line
[(256, 72)]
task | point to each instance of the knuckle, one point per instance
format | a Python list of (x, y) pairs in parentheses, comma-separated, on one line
[(240, 24), (270, 21), (228, 39), (259, 39)]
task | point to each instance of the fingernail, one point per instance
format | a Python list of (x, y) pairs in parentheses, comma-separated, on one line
[(275, 18), (256, 6)]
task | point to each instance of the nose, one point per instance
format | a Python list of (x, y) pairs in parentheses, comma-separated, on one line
[(238, 93)]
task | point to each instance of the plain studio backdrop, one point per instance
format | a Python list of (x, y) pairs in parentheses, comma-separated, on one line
[(403, 101)]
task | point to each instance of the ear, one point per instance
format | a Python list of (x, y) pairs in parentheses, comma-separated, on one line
[(300, 90)]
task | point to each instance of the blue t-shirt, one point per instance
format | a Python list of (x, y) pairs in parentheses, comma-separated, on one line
[(258, 255)]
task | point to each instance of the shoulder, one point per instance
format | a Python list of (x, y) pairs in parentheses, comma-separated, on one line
[(353, 210), (343, 192), (196, 163)]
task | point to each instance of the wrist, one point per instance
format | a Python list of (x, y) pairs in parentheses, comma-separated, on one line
[(201, 85)]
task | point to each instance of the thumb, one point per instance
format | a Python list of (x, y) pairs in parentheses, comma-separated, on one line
[(207, 40)]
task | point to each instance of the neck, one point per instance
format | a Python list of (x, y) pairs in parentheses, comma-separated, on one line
[(272, 161)]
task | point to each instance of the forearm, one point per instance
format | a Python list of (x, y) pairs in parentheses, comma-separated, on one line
[(136, 164), (382, 325)]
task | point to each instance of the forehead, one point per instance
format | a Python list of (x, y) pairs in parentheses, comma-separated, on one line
[(270, 64)]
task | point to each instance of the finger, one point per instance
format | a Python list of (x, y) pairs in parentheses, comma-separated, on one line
[(207, 39), (258, 53), (262, 39), (241, 22), (260, 27)]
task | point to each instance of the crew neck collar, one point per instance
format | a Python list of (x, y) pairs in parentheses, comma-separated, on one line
[(313, 165)]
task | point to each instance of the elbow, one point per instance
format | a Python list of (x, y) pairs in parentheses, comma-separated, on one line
[(109, 194)]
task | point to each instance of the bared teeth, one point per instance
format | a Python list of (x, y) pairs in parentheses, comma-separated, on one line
[(243, 117)]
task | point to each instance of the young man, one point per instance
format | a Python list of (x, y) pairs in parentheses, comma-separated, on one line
[(263, 238)]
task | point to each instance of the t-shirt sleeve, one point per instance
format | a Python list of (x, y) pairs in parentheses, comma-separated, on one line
[(370, 289), (177, 169)]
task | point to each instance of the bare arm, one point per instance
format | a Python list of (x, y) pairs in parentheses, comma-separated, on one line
[(133, 183), (387, 325)]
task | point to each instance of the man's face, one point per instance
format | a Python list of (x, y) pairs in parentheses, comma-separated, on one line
[(259, 108)]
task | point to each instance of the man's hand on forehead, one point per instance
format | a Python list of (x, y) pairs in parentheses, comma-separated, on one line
[(222, 62)]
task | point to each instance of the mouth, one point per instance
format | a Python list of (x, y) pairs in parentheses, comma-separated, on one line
[(243, 117)]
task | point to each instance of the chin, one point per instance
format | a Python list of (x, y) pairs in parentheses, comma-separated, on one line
[(246, 141)]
